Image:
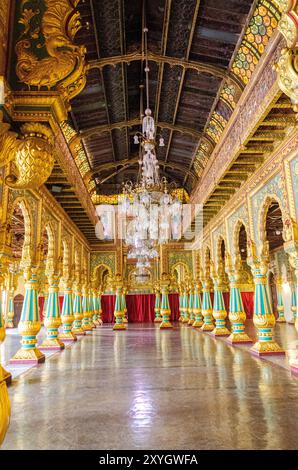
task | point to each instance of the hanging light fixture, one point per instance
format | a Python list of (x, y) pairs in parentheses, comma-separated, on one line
[(153, 213)]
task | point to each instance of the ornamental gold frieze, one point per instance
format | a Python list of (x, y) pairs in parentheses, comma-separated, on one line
[(45, 50), (261, 177), (253, 104)]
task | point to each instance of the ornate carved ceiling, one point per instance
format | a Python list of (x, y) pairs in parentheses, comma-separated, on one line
[(192, 45)]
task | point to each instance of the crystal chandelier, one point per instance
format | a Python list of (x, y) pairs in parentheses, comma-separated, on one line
[(151, 210)]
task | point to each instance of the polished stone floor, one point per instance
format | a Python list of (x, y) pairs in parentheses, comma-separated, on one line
[(151, 389)]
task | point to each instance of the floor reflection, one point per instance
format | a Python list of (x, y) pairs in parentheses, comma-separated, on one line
[(145, 388)]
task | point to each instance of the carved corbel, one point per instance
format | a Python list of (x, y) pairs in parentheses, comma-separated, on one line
[(8, 142)]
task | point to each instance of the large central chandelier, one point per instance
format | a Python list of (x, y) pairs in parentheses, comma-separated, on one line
[(153, 215)]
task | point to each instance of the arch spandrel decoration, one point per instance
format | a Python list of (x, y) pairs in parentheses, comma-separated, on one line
[(177, 267), (107, 258), (216, 234), (184, 257), (240, 216), (271, 191)]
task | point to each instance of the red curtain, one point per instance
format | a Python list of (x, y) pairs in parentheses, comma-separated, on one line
[(248, 303), (108, 307), (61, 297), (140, 307)]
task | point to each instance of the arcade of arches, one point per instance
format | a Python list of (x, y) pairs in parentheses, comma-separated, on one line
[(223, 90)]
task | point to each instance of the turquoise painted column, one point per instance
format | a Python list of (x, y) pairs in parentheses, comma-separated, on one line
[(185, 306), (180, 305), (4, 375), (91, 309), (29, 324), (263, 318), (53, 319), (67, 316), (190, 307), (118, 312), (86, 311), (219, 312), (165, 310), (280, 302), (207, 307), (78, 312), (100, 320), (95, 317), (157, 318), (197, 308)]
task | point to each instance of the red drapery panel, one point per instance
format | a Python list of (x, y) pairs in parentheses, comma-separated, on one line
[(61, 297), (108, 307), (140, 307), (226, 298), (248, 303)]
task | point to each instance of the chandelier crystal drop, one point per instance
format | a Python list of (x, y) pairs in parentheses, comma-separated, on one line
[(151, 211)]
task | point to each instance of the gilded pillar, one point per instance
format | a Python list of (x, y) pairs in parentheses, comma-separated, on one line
[(77, 328), (280, 303), (185, 317), (197, 306), (91, 308), (180, 303), (219, 309), (190, 305), (29, 324), (100, 319), (86, 325), (207, 305), (118, 312), (95, 301), (237, 315), (293, 302), (124, 307), (11, 291), (52, 320), (165, 310), (67, 315), (157, 318), (263, 317)]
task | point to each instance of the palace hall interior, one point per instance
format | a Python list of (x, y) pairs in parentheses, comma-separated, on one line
[(148, 224)]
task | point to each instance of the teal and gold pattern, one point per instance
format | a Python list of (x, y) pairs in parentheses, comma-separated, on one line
[(261, 27), (165, 310), (237, 314), (86, 311), (197, 309), (53, 319), (78, 313), (263, 318), (95, 301), (124, 308), (207, 308), (190, 307), (10, 313), (294, 301), (157, 318), (4, 375), (67, 317), (185, 303), (219, 313), (29, 324), (280, 302), (100, 320), (118, 312)]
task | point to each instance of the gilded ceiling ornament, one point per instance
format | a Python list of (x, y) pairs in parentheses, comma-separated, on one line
[(64, 63), (34, 158)]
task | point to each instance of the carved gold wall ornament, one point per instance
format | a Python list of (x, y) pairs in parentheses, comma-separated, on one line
[(64, 65), (34, 158), (287, 66), (8, 142)]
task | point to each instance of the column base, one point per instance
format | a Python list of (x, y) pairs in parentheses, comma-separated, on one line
[(220, 331), (51, 344), (157, 320), (9, 324), (190, 322), (266, 348), (87, 328), (281, 320), (6, 376), (67, 337), (119, 326), (125, 320), (78, 332), (197, 324), (239, 338), (185, 320), (207, 327), (28, 356), (165, 325)]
